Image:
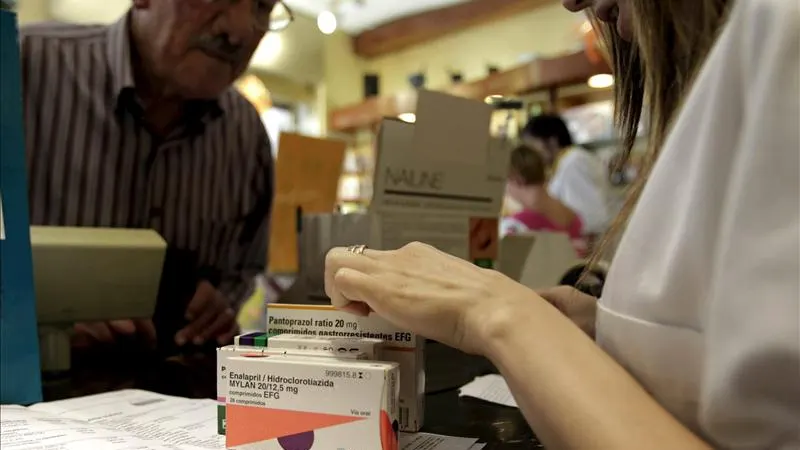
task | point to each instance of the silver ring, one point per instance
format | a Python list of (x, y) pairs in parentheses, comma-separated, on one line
[(357, 249)]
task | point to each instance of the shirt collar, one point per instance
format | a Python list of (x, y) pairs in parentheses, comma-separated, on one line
[(118, 53)]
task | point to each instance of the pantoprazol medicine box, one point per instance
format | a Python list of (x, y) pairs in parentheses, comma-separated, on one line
[(297, 403), (400, 346), (257, 339), (335, 346), (225, 353)]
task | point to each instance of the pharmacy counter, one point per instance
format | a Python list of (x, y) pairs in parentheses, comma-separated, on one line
[(195, 376)]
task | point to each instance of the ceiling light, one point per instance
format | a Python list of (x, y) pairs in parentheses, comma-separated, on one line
[(408, 117), (326, 22), (492, 98), (601, 81)]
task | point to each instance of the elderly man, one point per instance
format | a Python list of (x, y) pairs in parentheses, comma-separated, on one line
[(136, 125)]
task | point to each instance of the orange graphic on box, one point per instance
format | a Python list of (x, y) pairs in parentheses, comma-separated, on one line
[(247, 425), (483, 238)]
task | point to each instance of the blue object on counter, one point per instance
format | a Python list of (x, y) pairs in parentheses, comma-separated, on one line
[(20, 376)]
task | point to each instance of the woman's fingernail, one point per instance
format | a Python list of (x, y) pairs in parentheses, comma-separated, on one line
[(198, 340), (180, 340)]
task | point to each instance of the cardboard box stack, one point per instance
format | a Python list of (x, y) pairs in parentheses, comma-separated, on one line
[(400, 346), (324, 376)]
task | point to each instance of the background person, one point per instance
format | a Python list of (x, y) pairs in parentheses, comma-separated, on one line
[(135, 125), (527, 185), (695, 343), (578, 178)]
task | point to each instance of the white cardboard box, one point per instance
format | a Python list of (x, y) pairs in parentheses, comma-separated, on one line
[(225, 353), (400, 346), (282, 402), (336, 347)]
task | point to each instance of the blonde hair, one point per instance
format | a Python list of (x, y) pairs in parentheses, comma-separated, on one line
[(654, 75)]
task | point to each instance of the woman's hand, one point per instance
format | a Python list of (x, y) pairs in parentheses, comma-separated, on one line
[(426, 291), (579, 307)]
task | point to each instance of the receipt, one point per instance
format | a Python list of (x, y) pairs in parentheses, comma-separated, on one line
[(426, 441), (490, 388)]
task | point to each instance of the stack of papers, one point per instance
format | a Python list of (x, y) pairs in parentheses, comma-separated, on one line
[(490, 388), (124, 420)]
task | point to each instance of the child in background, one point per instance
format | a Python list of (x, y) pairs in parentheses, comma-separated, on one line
[(527, 185)]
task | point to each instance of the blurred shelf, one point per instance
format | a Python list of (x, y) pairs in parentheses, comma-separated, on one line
[(540, 74)]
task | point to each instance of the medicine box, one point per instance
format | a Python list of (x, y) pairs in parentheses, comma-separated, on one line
[(227, 352), (298, 403), (257, 339), (337, 347), (399, 346)]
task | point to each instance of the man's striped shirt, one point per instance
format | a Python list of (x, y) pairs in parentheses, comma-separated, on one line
[(207, 187)]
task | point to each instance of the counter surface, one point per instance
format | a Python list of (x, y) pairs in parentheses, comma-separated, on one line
[(195, 377)]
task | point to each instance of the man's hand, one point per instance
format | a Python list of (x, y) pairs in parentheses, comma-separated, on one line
[(107, 333), (210, 317)]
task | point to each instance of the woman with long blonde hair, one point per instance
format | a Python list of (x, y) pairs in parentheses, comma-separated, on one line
[(695, 342)]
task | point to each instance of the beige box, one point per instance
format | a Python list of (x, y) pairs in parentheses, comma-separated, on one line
[(337, 347), (537, 260), (280, 402), (441, 180), (400, 346), (225, 353)]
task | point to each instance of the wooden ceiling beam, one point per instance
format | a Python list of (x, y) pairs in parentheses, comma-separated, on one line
[(423, 27)]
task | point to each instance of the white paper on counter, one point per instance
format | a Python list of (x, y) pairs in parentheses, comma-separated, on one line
[(173, 422), (25, 429), (426, 441), (490, 388)]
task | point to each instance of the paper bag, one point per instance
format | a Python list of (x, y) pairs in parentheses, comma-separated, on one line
[(306, 177)]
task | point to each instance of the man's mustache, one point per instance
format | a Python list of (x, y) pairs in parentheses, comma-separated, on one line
[(220, 47)]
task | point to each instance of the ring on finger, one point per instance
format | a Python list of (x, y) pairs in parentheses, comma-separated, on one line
[(357, 249)]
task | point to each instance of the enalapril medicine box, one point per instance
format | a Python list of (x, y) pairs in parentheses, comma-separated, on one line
[(227, 352), (298, 403), (400, 346)]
